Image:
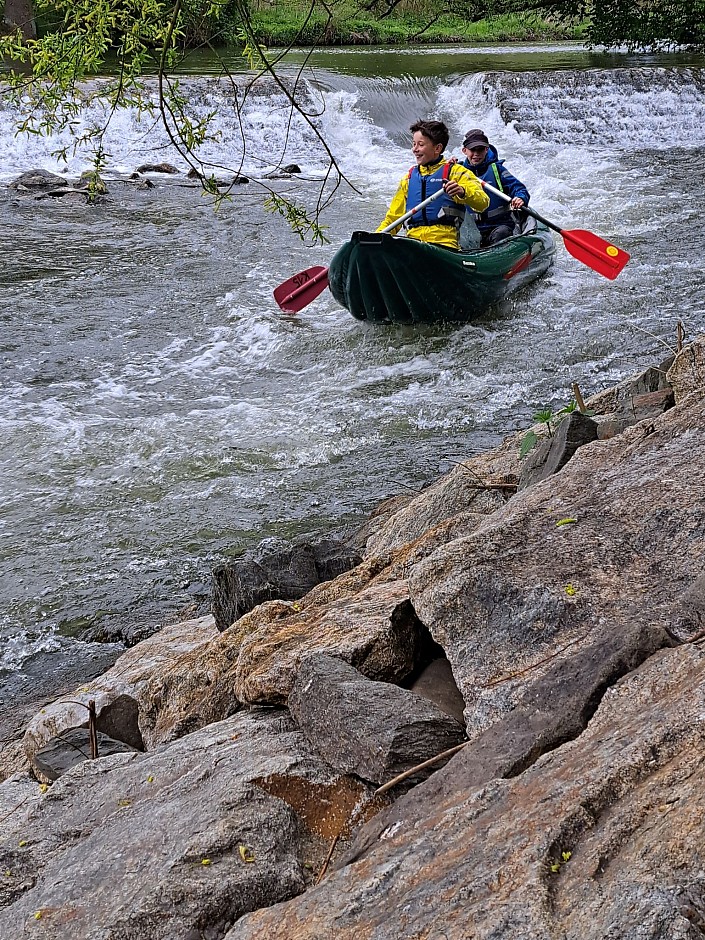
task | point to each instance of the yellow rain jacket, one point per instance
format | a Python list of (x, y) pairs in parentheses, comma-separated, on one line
[(445, 235)]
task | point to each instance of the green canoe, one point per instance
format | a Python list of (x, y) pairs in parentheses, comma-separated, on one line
[(385, 278)]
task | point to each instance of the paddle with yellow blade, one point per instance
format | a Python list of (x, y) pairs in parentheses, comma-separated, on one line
[(595, 252), (298, 292)]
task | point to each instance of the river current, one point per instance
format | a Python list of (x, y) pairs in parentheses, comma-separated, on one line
[(158, 413)]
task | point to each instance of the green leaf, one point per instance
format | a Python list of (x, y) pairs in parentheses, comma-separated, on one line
[(528, 442)]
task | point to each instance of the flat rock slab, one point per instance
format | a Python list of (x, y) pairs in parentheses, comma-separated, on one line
[(71, 748), (175, 843), (374, 730), (604, 837)]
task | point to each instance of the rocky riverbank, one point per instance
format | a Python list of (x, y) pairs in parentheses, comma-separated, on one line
[(541, 620)]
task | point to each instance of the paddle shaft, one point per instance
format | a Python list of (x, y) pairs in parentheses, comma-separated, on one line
[(602, 256), (536, 215), (407, 215)]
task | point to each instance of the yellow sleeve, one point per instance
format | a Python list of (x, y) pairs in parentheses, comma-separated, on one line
[(397, 207), (475, 196)]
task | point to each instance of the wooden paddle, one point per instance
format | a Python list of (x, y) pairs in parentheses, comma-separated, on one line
[(595, 252), (298, 292)]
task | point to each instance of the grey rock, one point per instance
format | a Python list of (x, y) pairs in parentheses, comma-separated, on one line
[(436, 683), (553, 453), (276, 570), (613, 539), (372, 729), (157, 168), (185, 839), (36, 181), (69, 749), (601, 838)]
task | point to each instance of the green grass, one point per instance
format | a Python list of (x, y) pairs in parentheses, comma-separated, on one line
[(284, 25)]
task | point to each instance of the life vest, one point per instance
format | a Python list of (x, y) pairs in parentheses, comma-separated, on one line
[(442, 211), (498, 210)]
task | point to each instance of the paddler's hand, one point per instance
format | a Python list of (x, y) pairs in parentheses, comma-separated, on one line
[(454, 190), (516, 203)]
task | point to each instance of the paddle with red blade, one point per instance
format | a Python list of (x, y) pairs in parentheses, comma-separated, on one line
[(298, 292), (595, 252)]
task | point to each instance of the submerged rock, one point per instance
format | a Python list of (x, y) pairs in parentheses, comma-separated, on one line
[(36, 181)]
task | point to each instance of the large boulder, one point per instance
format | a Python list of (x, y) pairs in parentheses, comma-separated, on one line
[(176, 843), (612, 541), (604, 837), (375, 630), (37, 181), (374, 730)]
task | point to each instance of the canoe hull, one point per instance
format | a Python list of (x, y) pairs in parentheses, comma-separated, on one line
[(386, 278)]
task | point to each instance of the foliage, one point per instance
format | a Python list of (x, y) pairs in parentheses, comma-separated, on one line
[(49, 75), (49, 80), (550, 422), (351, 22)]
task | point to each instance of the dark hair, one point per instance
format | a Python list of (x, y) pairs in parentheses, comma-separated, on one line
[(436, 131)]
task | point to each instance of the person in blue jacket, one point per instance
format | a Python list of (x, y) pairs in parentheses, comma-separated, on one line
[(481, 158)]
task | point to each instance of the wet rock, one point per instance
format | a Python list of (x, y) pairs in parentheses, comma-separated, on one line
[(36, 181), (653, 379), (638, 408), (374, 730), (276, 570), (72, 747), (157, 168), (553, 453)]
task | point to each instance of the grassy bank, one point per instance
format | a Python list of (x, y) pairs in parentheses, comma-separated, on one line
[(343, 22), (280, 23)]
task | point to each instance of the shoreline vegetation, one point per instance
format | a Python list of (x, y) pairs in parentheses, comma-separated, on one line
[(280, 24)]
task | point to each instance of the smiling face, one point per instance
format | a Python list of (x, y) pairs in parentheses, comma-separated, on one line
[(475, 155), (424, 149)]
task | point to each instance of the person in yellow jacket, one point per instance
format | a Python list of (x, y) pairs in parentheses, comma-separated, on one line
[(439, 222)]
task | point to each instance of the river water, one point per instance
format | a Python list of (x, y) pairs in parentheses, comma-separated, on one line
[(159, 413)]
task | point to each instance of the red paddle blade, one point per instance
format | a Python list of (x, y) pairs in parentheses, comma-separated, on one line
[(296, 293), (595, 252)]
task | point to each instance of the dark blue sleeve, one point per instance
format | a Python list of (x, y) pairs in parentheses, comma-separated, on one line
[(514, 187)]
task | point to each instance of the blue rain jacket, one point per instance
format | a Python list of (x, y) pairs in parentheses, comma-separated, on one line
[(492, 171)]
